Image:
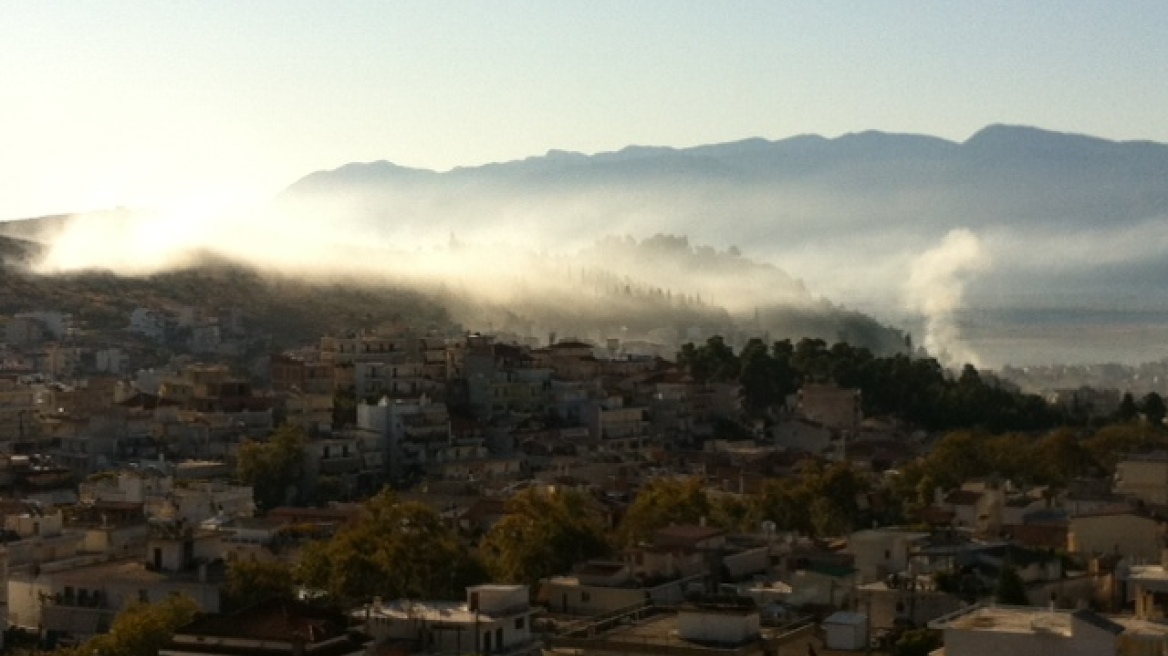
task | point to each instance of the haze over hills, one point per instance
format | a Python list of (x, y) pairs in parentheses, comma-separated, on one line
[(586, 295), (1069, 230), (1018, 245)]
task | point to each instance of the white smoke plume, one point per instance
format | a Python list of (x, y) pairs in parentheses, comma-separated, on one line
[(936, 290)]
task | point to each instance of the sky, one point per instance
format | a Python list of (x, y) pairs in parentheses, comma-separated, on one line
[(181, 103)]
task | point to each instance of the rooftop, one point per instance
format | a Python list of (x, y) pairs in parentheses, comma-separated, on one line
[(1003, 619), (271, 620), (1024, 619), (133, 570)]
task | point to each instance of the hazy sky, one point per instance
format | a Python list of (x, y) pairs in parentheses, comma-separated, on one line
[(161, 103)]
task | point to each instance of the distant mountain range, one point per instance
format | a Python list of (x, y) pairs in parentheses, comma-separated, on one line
[(1067, 226)]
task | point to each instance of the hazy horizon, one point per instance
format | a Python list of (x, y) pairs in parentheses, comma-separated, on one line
[(204, 112), (134, 104), (985, 250)]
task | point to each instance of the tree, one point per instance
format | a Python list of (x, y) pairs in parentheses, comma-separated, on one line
[(250, 582), (399, 549), (1110, 443), (1062, 456), (543, 534), (1152, 405), (711, 362), (662, 502), (274, 467), (822, 499), (766, 379), (140, 629), (957, 457), (344, 407), (1128, 410), (1010, 589), (826, 518), (918, 642)]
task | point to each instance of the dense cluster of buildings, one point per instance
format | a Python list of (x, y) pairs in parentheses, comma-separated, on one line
[(119, 486)]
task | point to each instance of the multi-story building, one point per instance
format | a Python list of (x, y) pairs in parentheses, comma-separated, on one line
[(18, 425), (308, 376), (414, 430), (78, 598), (190, 501), (619, 427), (398, 377)]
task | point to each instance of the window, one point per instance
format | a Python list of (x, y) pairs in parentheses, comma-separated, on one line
[(585, 597), (519, 623)]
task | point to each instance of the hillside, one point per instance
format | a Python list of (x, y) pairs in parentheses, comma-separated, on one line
[(594, 295), (290, 310)]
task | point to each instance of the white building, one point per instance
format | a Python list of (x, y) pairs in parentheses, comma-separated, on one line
[(1025, 631), (494, 619), (162, 497), (57, 324), (415, 430), (148, 323), (111, 360)]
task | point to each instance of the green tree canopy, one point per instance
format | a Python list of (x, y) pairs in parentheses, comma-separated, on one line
[(250, 582), (711, 362), (917, 389), (822, 499), (543, 534), (918, 642), (140, 629), (1128, 410), (273, 467), (662, 502), (399, 549), (1010, 588), (1152, 405)]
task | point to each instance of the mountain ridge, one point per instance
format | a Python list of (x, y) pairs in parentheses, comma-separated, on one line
[(1058, 215), (996, 134)]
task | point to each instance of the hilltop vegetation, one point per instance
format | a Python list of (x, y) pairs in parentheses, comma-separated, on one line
[(913, 389), (657, 290), (288, 309)]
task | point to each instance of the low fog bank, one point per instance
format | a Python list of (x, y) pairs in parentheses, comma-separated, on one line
[(652, 294), (954, 290), (1017, 245)]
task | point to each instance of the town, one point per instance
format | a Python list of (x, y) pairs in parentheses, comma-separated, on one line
[(397, 490)]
